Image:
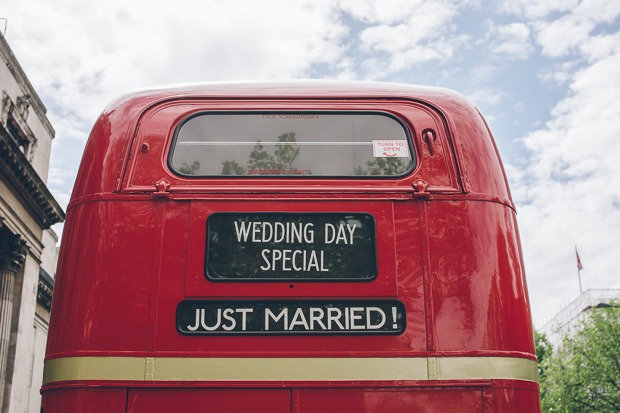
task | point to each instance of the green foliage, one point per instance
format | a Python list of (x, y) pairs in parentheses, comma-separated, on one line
[(285, 153), (544, 350), (260, 158), (382, 166), (286, 150), (232, 168), (193, 169), (583, 375)]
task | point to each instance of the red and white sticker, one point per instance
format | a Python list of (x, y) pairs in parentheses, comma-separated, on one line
[(390, 149)]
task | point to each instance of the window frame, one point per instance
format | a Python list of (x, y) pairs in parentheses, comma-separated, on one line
[(408, 135)]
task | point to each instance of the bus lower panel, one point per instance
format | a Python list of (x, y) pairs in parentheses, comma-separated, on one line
[(388, 400), (91, 400), (211, 400), (292, 400), (510, 400)]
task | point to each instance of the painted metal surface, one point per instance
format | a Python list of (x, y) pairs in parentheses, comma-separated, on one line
[(447, 248), (291, 369)]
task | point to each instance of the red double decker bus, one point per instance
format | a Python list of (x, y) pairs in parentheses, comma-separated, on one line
[(291, 247)]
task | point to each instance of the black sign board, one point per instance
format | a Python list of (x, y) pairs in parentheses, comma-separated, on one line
[(214, 317), (291, 246)]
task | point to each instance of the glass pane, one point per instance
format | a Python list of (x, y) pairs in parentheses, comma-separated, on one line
[(291, 144)]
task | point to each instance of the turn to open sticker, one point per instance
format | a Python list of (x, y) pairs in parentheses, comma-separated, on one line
[(390, 149)]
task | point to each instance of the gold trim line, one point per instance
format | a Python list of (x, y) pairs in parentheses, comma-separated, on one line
[(287, 369)]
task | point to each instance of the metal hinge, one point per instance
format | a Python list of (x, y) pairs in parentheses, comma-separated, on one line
[(419, 188), (161, 189)]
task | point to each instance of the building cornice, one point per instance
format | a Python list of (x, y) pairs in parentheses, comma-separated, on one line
[(20, 76), (22, 176)]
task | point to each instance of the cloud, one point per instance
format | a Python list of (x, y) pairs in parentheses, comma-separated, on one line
[(570, 193), (560, 74), (80, 56), (387, 12), (571, 32), (536, 9), (109, 49), (408, 33), (483, 96), (511, 41)]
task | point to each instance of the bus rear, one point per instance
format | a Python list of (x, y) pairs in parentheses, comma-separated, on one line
[(291, 247)]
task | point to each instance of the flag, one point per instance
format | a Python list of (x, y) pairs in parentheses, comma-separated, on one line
[(579, 266)]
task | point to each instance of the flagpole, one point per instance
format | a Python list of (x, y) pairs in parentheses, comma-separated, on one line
[(579, 268)]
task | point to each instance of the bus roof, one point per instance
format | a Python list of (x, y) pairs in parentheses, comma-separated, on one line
[(476, 155), (298, 89)]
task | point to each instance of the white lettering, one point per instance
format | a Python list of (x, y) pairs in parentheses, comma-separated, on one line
[(297, 260), (299, 319), (243, 231), (334, 315), (195, 327), (264, 254), (227, 315), (313, 261), (279, 236), (338, 235), (342, 236), (369, 324), (295, 267), (316, 315), (292, 318), (356, 316), (309, 233), (323, 269), (351, 231), (244, 312), (217, 324), (267, 225), (276, 255), (330, 233), (286, 257), (256, 227), (296, 233), (269, 315)]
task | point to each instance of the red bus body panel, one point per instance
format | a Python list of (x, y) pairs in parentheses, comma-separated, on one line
[(133, 248)]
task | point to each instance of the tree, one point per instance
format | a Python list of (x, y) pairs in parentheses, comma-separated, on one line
[(232, 168), (286, 150), (193, 169), (544, 351), (382, 166), (583, 375), (260, 158)]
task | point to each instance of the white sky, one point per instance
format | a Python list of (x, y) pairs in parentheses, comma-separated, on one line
[(546, 73)]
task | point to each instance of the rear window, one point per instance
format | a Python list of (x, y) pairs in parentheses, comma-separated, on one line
[(291, 144)]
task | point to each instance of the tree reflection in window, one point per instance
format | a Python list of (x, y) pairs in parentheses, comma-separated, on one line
[(193, 169), (383, 166), (262, 162), (282, 163), (232, 168), (286, 150)]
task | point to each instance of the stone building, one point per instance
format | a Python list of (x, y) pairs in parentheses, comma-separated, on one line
[(568, 319), (28, 251)]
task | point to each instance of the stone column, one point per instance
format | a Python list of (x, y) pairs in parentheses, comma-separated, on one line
[(12, 256)]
